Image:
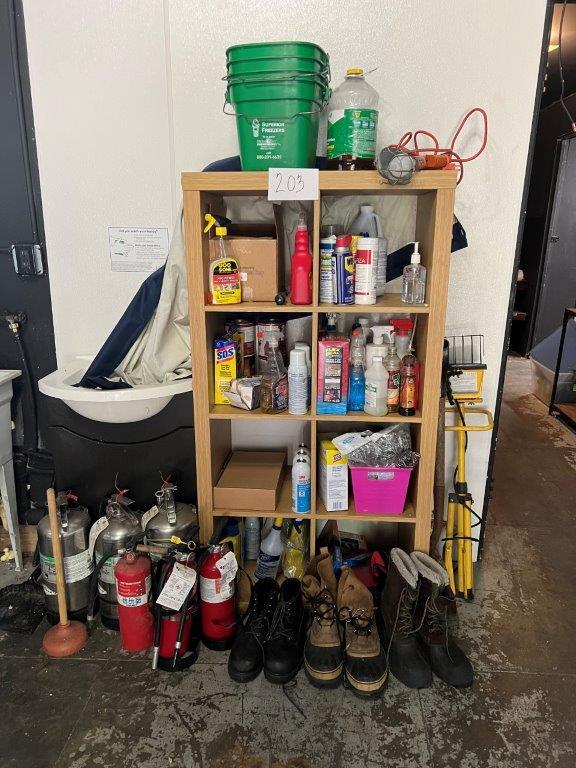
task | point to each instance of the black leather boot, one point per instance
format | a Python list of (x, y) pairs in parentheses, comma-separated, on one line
[(447, 660), (247, 654), (406, 660), (284, 649)]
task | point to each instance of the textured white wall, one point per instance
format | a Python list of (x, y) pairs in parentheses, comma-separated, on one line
[(128, 94)]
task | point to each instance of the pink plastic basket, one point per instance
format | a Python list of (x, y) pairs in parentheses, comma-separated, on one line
[(380, 490)]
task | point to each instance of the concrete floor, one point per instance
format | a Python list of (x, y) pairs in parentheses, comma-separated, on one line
[(105, 708)]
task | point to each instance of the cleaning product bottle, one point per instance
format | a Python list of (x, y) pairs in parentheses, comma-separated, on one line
[(366, 270), (297, 383), (364, 323), (306, 348), (357, 378), (392, 363), (223, 271), (251, 538), (301, 485), (414, 280), (331, 330), (270, 552), (402, 334), (382, 335), (274, 389), (376, 388), (301, 278), (352, 124), (368, 224), (408, 387), (302, 451)]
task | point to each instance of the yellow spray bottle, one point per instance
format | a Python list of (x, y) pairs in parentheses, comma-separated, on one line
[(223, 272)]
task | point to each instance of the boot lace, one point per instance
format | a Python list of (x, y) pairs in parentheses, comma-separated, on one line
[(435, 613), (284, 623), (323, 608), (259, 626), (360, 621)]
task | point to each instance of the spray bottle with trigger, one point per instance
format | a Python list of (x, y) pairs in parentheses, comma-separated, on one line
[(223, 271)]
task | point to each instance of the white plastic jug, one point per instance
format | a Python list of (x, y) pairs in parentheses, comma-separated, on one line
[(368, 222)]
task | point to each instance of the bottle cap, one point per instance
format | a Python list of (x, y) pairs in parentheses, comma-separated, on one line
[(354, 71), (298, 358), (278, 522), (367, 208), (416, 255), (221, 231)]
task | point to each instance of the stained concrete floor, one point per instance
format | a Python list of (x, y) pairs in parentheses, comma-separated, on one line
[(105, 708)]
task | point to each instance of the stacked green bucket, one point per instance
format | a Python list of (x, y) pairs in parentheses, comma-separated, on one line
[(278, 91)]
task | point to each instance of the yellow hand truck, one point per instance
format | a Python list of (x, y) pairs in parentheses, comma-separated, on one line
[(463, 381)]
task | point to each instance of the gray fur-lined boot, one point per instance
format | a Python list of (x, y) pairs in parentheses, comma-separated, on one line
[(446, 659), (397, 606)]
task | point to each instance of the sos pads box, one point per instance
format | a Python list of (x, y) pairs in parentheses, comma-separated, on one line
[(332, 382)]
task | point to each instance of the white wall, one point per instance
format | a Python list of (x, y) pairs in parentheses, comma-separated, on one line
[(127, 94)]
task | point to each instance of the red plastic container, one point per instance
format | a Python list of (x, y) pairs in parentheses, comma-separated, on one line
[(301, 278), (380, 490)]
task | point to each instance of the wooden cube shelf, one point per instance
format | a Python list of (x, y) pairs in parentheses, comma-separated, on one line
[(434, 191)]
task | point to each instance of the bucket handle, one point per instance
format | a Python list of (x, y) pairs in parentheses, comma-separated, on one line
[(248, 80), (269, 117)]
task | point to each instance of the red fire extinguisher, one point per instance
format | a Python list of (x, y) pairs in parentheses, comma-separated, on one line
[(133, 584), (217, 601), (176, 636)]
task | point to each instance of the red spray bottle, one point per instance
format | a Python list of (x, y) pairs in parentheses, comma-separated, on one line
[(301, 279)]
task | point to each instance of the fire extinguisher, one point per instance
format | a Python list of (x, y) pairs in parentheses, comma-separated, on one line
[(217, 601), (133, 584), (176, 637)]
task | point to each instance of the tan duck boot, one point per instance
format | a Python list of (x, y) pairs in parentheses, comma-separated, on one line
[(323, 656), (365, 666)]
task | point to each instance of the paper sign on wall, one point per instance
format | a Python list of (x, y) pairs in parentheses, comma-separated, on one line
[(137, 249), (293, 184)]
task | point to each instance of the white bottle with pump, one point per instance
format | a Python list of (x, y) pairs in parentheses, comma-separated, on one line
[(376, 388), (382, 336), (414, 280), (298, 383)]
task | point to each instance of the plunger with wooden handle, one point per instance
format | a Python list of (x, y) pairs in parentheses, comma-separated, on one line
[(67, 637)]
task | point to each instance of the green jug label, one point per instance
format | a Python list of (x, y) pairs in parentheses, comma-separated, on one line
[(352, 132)]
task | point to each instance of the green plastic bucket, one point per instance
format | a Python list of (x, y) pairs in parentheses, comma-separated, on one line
[(309, 89), (292, 64), (251, 52), (277, 133)]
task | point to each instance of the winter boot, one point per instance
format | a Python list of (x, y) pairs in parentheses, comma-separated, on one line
[(247, 654), (405, 658), (283, 650), (365, 666), (323, 657), (446, 659)]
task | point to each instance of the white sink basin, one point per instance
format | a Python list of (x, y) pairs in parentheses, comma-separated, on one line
[(114, 406)]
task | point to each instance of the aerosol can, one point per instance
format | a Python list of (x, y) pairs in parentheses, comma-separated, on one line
[(176, 630), (170, 518), (78, 565), (218, 598), (119, 530), (133, 577)]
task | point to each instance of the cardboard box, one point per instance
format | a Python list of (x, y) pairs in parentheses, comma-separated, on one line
[(259, 250), (333, 477), (251, 480)]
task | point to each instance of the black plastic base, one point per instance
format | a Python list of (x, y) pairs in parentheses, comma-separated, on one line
[(184, 662), (218, 645), (110, 623)]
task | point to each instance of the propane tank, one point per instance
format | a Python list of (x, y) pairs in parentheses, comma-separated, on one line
[(172, 518), (133, 576), (123, 528), (217, 601), (176, 641), (74, 524)]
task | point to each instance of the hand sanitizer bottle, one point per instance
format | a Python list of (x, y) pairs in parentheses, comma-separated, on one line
[(414, 280)]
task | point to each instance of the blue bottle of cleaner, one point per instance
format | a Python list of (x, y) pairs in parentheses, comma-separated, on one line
[(357, 379)]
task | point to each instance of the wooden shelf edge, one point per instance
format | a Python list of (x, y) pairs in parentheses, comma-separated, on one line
[(230, 412)]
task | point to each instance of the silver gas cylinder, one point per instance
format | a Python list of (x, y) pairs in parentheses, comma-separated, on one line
[(170, 518), (123, 527), (74, 525)]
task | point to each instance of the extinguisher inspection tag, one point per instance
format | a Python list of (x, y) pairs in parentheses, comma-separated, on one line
[(147, 516), (228, 566), (101, 524), (180, 582)]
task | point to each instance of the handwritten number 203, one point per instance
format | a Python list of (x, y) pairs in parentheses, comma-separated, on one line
[(290, 183)]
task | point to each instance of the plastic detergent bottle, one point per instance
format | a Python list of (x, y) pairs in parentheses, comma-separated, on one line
[(297, 383), (392, 363), (301, 277), (368, 224), (414, 280), (223, 272), (382, 335), (270, 552), (357, 378), (274, 389), (301, 485), (352, 124), (376, 389)]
